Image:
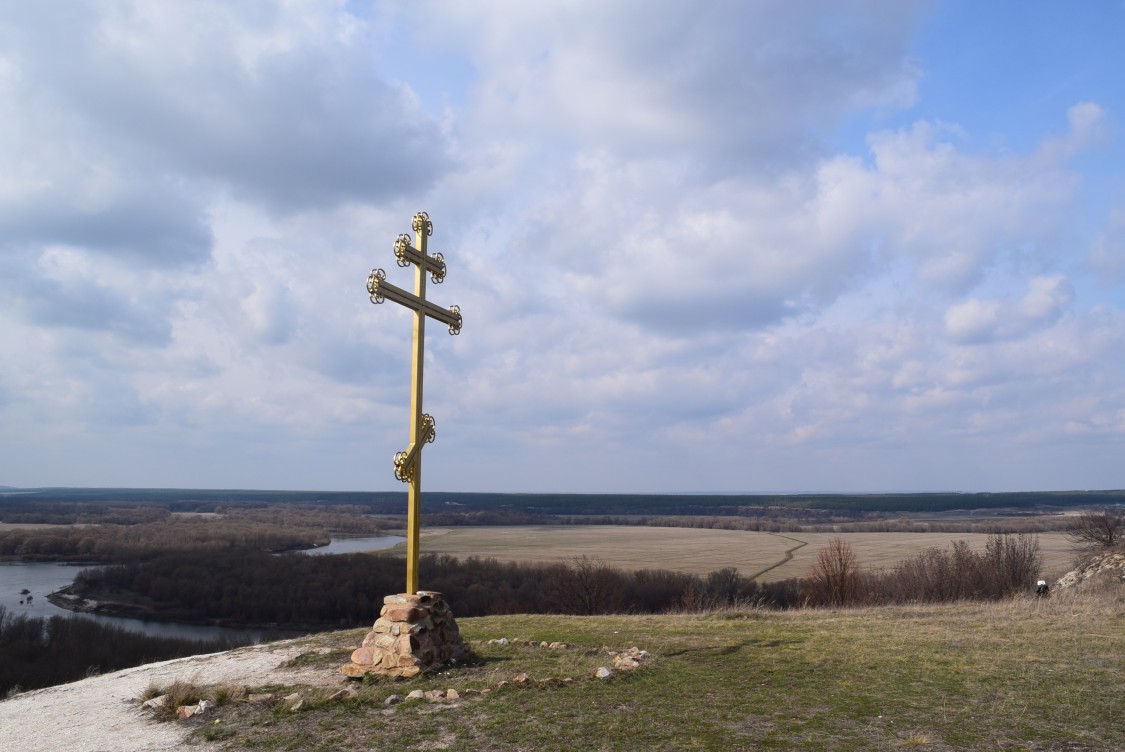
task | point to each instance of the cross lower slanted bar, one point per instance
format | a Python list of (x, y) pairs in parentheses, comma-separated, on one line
[(408, 464)]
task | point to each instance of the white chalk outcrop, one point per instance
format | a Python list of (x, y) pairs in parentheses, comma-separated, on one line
[(104, 714)]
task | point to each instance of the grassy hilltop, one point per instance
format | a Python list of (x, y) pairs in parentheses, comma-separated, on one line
[(1023, 674)]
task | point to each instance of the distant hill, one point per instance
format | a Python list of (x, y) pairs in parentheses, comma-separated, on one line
[(394, 502)]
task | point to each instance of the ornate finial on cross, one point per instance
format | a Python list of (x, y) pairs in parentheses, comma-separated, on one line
[(408, 464)]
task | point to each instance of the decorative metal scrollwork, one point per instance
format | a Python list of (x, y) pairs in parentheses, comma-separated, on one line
[(403, 473), (373, 279), (437, 271), (421, 223), (406, 462), (402, 242), (456, 311)]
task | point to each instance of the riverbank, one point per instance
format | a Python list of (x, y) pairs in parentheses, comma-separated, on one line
[(106, 603)]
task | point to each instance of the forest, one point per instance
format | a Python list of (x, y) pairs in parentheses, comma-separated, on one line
[(323, 592), (391, 503), (116, 543)]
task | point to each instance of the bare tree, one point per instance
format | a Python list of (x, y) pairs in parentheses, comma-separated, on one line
[(588, 586), (834, 579), (1104, 529)]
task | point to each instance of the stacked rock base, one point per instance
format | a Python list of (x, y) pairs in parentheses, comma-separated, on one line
[(414, 633)]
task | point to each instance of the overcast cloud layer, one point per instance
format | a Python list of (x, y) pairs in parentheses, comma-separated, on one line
[(724, 247)]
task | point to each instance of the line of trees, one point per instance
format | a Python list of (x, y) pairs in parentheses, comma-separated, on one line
[(321, 592), (200, 500), (115, 543), (17, 511)]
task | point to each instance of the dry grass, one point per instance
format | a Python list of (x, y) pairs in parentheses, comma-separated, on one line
[(1024, 674), (700, 551), (176, 694)]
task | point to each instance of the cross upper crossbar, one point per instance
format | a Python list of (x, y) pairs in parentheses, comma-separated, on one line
[(379, 289), (408, 254)]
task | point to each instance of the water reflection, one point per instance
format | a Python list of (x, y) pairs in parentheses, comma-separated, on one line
[(356, 544), (40, 579)]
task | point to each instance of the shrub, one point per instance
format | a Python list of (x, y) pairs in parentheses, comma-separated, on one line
[(1008, 564), (834, 579)]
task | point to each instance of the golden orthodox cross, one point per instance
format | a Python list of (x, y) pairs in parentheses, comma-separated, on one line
[(408, 464)]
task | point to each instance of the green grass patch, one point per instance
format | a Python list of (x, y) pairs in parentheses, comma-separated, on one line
[(1020, 675)]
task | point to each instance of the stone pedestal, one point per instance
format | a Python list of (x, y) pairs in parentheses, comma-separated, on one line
[(414, 633)]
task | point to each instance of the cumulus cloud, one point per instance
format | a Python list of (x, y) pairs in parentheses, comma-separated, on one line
[(1107, 257), (745, 85), (124, 119), (673, 275), (125, 126), (974, 320), (279, 103), (654, 244)]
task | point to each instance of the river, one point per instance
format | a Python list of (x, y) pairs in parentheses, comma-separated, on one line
[(43, 578)]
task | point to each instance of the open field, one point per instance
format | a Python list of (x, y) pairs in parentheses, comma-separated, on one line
[(1024, 674), (699, 551)]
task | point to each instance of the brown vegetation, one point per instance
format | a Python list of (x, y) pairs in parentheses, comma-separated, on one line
[(317, 592), (835, 578), (117, 543), (1101, 529), (1009, 564), (135, 533)]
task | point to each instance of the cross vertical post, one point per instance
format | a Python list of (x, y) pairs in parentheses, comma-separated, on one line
[(408, 464), (422, 228)]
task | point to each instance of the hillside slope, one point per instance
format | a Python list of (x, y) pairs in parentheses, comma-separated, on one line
[(102, 713), (1106, 569), (1025, 674)]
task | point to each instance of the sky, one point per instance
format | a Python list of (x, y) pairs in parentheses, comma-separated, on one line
[(699, 247)]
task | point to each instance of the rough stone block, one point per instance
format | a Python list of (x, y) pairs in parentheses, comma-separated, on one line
[(403, 599), (414, 633), (385, 642), (403, 614)]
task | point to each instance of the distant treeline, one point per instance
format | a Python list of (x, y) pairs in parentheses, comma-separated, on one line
[(37, 652), (317, 592), (25, 511), (765, 519), (115, 543), (294, 591), (206, 500)]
